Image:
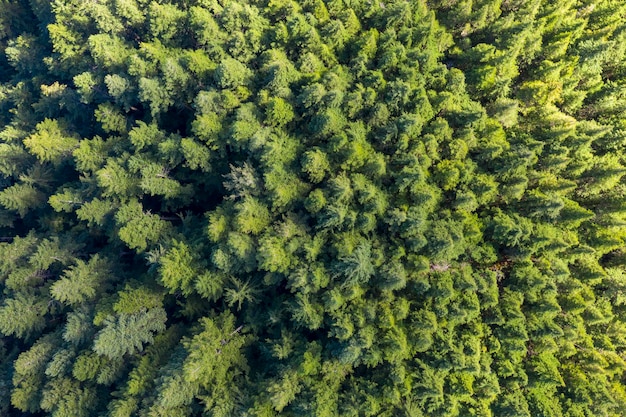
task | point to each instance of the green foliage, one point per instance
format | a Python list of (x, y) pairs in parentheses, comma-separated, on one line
[(65, 397), (278, 112), (178, 268), (22, 198), (80, 283), (215, 353), (23, 316), (49, 142), (127, 333), (28, 373), (312, 208), (139, 229), (231, 74), (252, 216), (357, 268)]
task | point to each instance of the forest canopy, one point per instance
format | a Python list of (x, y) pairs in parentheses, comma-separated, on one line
[(313, 208)]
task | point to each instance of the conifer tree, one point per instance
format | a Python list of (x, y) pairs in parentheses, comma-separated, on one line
[(312, 208)]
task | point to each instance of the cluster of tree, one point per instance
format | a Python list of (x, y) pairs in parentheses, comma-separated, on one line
[(312, 208)]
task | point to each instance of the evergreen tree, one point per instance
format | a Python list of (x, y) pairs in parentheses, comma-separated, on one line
[(312, 208)]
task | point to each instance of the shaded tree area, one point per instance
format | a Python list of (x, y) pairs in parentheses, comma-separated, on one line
[(313, 208)]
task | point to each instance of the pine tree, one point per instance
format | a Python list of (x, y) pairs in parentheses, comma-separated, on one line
[(125, 333), (81, 283), (23, 316)]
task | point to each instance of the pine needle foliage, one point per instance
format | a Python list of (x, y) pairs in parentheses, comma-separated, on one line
[(312, 208)]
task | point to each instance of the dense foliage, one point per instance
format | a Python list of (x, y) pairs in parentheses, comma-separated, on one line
[(312, 208)]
